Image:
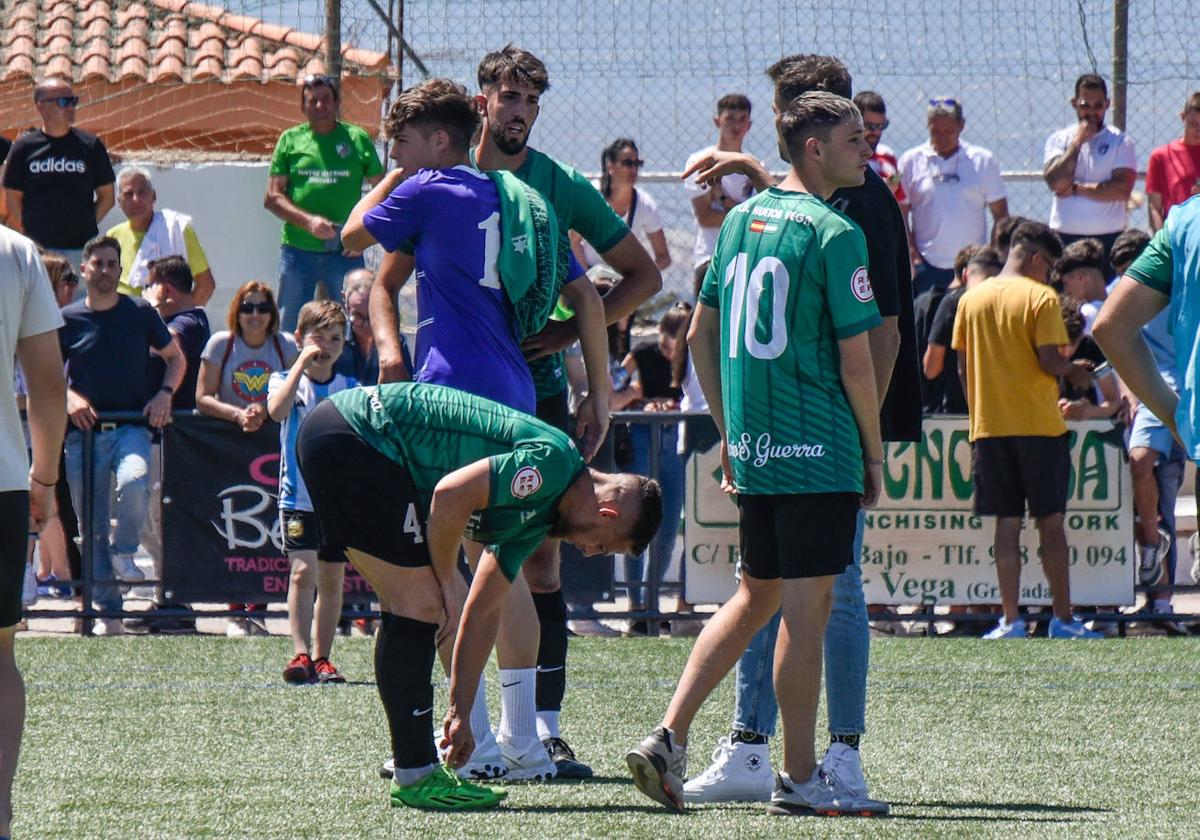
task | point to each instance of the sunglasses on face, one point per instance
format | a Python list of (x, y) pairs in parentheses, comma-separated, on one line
[(70, 280), (63, 101), (631, 163), (948, 101), (876, 126), (249, 308)]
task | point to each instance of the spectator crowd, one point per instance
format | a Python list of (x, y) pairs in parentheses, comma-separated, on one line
[(138, 339)]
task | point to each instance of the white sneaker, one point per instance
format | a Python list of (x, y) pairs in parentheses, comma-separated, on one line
[(124, 568), (108, 627), (842, 766), (1004, 630), (739, 772), (814, 797), (235, 628), (486, 762), (29, 585), (526, 762)]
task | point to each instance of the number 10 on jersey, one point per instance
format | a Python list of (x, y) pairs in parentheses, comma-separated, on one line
[(747, 319)]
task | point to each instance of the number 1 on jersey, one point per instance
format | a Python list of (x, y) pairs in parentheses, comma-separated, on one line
[(746, 307), (491, 250)]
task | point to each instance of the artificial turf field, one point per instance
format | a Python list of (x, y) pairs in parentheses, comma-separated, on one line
[(158, 737)]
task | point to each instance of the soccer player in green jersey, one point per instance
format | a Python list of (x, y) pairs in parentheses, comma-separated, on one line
[(399, 474), (779, 341), (511, 83)]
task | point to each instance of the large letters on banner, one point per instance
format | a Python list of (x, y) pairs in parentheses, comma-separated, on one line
[(221, 539), (923, 545)]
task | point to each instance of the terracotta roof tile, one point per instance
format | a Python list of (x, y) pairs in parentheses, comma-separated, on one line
[(18, 66), (154, 40), (96, 10), (20, 29)]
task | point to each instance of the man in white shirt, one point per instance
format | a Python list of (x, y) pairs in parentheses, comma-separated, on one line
[(949, 185), (1090, 168), (29, 320), (710, 204)]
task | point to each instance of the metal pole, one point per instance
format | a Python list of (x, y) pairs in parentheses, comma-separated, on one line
[(653, 560), (1120, 66), (333, 38), (89, 544), (396, 31)]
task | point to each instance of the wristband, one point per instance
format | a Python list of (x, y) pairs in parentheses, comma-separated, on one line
[(36, 480), (167, 389)]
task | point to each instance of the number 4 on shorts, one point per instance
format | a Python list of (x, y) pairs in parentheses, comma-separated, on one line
[(412, 525)]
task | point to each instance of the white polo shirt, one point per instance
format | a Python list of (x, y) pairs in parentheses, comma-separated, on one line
[(1110, 149), (949, 198), (27, 308), (737, 186)]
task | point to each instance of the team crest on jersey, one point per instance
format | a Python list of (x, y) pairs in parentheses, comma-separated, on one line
[(520, 243), (860, 284), (250, 380), (526, 482), (1102, 149), (343, 150)]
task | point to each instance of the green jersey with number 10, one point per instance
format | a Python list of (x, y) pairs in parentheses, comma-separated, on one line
[(789, 277)]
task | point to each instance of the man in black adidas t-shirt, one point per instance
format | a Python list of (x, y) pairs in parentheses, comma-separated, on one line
[(59, 180)]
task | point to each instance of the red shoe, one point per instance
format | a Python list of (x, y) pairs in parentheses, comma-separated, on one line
[(300, 670), (327, 673)]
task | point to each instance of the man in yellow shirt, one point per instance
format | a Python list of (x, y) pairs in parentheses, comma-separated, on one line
[(1008, 333), (150, 234)]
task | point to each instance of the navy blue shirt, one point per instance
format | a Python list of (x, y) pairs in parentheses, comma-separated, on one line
[(108, 353), (191, 330)]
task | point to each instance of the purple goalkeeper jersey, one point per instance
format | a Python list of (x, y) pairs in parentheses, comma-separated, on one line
[(449, 219)]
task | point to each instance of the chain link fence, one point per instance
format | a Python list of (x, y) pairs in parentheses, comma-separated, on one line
[(653, 71)]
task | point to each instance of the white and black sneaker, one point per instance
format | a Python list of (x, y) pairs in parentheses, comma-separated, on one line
[(739, 772), (842, 768), (526, 760), (658, 767), (812, 798)]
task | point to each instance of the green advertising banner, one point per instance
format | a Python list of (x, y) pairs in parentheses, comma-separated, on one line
[(923, 545)]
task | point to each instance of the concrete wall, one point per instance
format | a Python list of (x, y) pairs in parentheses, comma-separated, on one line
[(224, 200)]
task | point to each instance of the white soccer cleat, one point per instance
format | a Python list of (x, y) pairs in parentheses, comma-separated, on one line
[(526, 760), (486, 763), (739, 772), (842, 767)]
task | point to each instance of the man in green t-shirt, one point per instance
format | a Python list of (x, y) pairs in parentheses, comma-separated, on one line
[(511, 84), (317, 174), (780, 347), (399, 474)]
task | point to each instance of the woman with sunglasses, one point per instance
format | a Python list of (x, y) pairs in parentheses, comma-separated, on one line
[(619, 167), (234, 369)]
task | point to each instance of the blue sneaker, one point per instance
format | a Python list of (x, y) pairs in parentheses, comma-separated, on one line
[(1004, 630), (1072, 629)]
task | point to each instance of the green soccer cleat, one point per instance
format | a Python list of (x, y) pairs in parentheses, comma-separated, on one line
[(443, 790)]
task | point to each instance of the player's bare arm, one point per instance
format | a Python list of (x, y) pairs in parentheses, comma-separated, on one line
[(477, 632), (640, 281), (858, 381), (704, 341), (355, 235), (394, 271), (1118, 332), (592, 423), (717, 164), (42, 365)]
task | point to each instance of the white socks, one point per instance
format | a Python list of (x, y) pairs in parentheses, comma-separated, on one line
[(481, 726), (547, 725), (517, 704)]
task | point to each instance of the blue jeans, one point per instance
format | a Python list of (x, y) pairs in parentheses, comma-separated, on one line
[(299, 271), (670, 476), (123, 453), (847, 641)]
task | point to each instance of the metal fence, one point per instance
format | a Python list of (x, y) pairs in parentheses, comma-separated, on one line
[(652, 615)]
